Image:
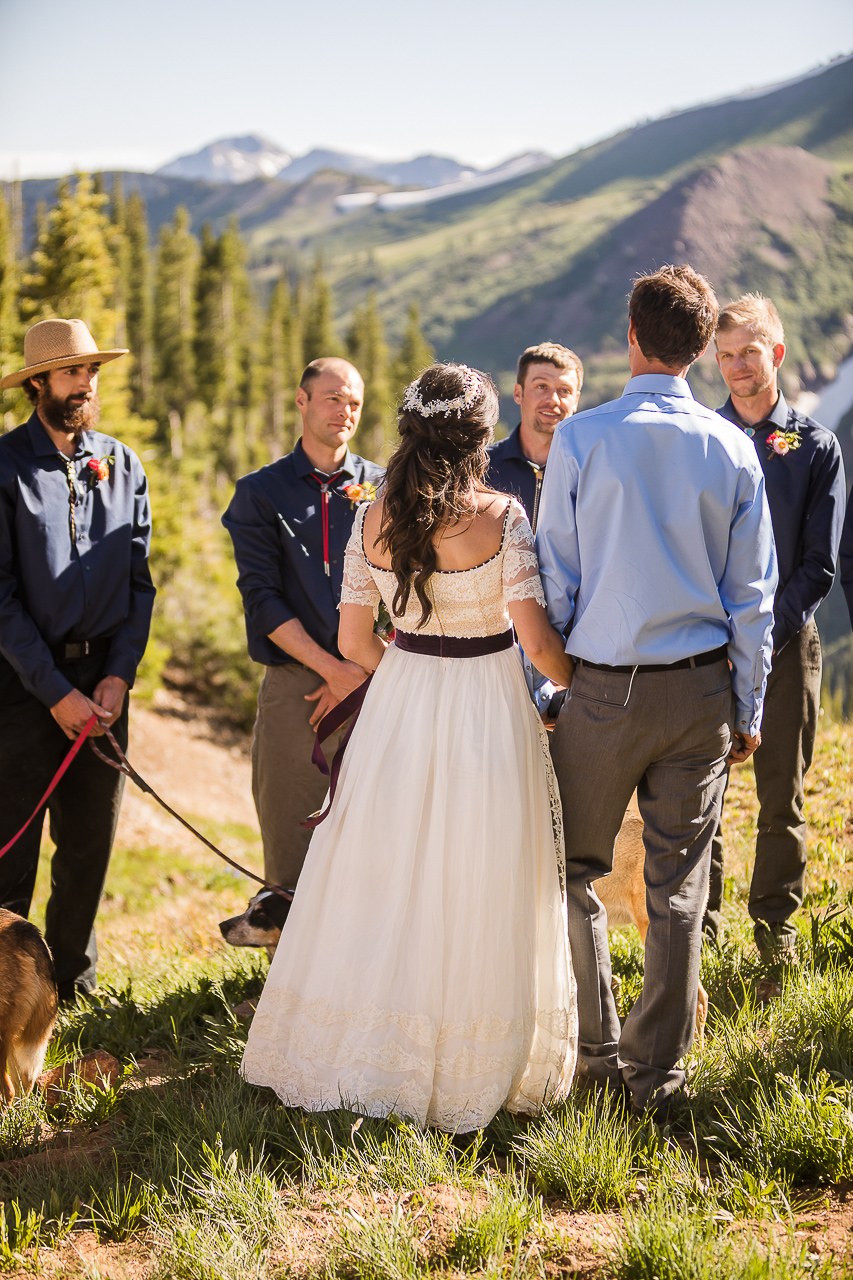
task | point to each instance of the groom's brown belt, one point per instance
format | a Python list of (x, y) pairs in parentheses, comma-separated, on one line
[(701, 660), (453, 646)]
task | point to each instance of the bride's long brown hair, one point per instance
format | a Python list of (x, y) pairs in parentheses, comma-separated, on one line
[(436, 468)]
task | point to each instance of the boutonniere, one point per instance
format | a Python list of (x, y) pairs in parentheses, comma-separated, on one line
[(364, 492), (782, 442), (99, 469)]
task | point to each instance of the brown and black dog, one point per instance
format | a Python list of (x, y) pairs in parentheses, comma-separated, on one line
[(623, 894), (28, 1004)]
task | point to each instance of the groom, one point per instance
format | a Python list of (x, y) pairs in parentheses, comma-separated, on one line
[(658, 562)]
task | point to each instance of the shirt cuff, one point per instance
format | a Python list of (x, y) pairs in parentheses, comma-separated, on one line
[(269, 617), (122, 666), (54, 689), (748, 717)]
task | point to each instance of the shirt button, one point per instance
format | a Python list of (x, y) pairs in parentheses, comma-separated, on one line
[(528, 667), (88, 568)]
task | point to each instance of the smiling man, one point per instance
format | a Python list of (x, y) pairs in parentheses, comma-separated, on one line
[(75, 608), (547, 390), (804, 478), (290, 523)]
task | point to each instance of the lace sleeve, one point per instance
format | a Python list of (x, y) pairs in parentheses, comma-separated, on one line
[(520, 574), (358, 585)]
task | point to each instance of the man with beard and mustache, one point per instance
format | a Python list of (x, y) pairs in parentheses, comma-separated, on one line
[(804, 477), (75, 608)]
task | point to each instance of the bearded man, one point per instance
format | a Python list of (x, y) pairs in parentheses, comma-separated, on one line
[(75, 608)]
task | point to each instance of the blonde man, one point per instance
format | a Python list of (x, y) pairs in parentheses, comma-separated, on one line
[(804, 478)]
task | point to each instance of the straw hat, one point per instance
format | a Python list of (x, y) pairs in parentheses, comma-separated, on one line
[(58, 344)]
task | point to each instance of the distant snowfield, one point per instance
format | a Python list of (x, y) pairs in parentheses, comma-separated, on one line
[(829, 406)]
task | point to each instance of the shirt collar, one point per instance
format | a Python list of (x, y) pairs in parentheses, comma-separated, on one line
[(658, 384), (776, 418), (43, 446), (303, 466), (512, 445)]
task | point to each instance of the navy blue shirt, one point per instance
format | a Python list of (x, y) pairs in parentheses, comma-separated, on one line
[(53, 589), (845, 560), (511, 472), (805, 492), (275, 520)]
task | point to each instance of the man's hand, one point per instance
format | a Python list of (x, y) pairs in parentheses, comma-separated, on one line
[(72, 712), (340, 681), (110, 693), (743, 746)]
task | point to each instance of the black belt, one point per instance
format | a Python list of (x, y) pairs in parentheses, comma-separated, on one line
[(701, 660), (73, 650)]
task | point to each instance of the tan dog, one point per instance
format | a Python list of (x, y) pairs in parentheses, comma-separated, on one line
[(28, 1004), (623, 894)]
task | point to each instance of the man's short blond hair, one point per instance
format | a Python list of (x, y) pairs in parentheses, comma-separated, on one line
[(753, 311), (549, 353)]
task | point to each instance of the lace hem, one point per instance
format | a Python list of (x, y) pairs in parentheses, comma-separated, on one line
[(423, 1030), (526, 589), (556, 806)]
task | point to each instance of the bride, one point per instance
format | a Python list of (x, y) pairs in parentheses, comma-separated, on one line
[(424, 966)]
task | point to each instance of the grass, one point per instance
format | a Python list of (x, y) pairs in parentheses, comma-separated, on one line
[(186, 1171)]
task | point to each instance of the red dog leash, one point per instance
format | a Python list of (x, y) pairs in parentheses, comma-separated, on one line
[(63, 768), (123, 765)]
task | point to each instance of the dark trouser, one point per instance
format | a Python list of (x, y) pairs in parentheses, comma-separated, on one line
[(286, 785), (670, 740), (788, 731), (83, 812)]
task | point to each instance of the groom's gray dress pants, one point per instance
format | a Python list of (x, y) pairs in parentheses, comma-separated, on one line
[(667, 734)]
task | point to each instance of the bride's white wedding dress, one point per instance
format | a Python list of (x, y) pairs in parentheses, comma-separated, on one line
[(424, 966)]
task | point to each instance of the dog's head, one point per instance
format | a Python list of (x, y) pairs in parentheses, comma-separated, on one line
[(261, 923)]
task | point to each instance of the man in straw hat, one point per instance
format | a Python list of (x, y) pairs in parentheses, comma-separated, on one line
[(75, 608)]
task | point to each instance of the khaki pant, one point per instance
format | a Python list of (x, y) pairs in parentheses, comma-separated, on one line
[(788, 732), (286, 786)]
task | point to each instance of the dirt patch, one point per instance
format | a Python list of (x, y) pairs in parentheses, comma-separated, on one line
[(198, 766)]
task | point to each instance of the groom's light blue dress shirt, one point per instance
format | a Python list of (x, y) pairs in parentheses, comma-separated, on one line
[(654, 537)]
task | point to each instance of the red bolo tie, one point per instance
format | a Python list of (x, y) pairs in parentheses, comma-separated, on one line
[(325, 486)]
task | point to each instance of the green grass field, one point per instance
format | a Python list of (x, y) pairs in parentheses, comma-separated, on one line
[(185, 1171)]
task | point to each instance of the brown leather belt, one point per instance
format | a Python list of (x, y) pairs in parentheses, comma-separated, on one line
[(701, 660), (74, 650)]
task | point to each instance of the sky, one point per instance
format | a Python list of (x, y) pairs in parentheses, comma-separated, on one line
[(102, 84)]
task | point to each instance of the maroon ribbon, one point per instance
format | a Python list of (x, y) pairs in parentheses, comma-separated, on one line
[(332, 720), (432, 646)]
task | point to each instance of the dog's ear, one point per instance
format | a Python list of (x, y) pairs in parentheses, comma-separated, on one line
[(276, 909)]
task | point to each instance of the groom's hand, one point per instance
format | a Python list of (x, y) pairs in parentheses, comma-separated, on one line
[(340, 680), (743, 746)]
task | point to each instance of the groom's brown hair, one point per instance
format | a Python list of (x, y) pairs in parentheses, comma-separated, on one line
[(675, 314)]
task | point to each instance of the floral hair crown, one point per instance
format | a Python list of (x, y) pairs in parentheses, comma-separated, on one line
[(412, 399)]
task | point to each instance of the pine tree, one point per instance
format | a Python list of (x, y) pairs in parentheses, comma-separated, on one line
[(367, 350), (318, 334), (73, 272), (174, 316), (414, 356), (119, 250), (138, 306), (282, 368), (225, 338)]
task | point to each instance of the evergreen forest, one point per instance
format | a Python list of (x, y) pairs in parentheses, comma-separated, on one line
[(206, 395)]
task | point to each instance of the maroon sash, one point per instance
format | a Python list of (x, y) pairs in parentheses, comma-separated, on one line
[(409, 642)]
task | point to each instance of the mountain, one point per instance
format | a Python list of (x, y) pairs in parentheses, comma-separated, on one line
[(231, 160), (239, 160)]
